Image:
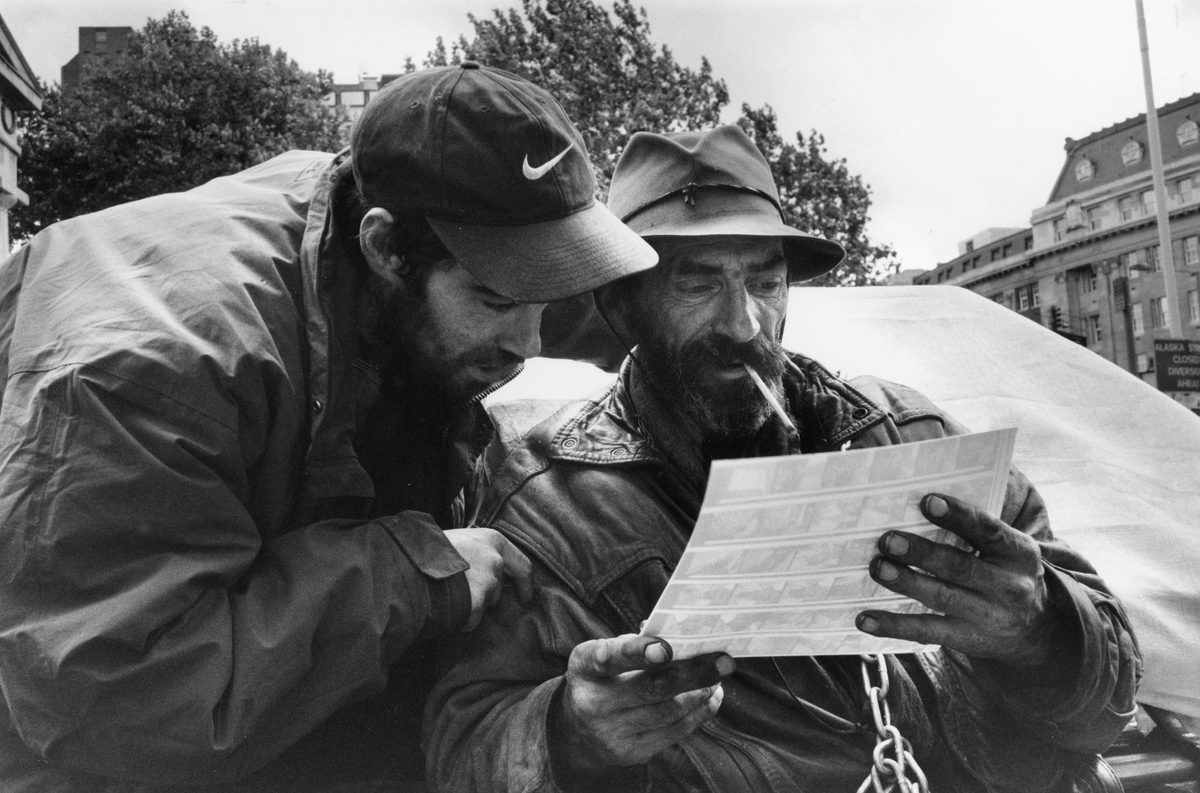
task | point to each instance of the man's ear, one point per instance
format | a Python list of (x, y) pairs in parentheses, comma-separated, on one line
[(373, 236), (614, 304)]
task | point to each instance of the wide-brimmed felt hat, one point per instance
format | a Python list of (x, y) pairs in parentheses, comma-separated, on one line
[(708, 183), (501, 174)]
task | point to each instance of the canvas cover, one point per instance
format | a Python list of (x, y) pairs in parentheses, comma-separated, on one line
[(1117, 462)]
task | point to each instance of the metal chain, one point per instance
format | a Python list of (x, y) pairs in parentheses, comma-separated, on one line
[(899, 771)]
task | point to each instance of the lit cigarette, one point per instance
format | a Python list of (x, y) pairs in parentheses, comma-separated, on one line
[(771, 400)]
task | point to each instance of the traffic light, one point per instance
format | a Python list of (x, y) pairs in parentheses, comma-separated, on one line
[(1056, 318)]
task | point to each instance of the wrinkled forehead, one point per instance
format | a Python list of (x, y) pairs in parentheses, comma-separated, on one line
[(733, 253)]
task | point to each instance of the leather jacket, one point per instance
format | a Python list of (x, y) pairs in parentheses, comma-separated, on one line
[(605, 516)]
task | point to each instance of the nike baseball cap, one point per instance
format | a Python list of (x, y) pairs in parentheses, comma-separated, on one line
[(708, 183), (503, 177)]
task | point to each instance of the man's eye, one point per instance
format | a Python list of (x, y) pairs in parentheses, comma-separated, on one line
[(693, 288), (768, 285), (501, 307)]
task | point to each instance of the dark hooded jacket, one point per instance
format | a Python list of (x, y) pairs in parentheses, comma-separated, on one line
[(604, 514), (194, 568)]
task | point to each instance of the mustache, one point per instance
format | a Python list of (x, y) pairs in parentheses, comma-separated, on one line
[(763, 355)]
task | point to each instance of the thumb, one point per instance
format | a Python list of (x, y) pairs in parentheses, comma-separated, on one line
[(604, 658)]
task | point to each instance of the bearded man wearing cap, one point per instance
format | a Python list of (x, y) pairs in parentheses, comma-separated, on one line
[(1038, 667), (234, 426)]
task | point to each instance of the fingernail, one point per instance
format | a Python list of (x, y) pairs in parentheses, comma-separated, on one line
[(895, 544), (867, 624), (726, 666), (886, 571), (657, 653), (937, 507), (718, 696)]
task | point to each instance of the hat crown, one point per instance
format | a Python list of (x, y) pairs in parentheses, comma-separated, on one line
[(654, 166), (471, 144)]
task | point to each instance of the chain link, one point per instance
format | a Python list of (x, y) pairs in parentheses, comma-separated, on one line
[(899, 772)]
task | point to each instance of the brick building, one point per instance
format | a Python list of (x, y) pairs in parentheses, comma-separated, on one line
[(1088, 264), (94, 44)]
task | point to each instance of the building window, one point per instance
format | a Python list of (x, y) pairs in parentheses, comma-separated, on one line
[(1158, 312), (1027, 297), (1144, 363), (1087, 279), (1059, 229), (1188, 133), (101, 40), (1029, 243), (1132, 261), (1094, 218), (1153, 260), (1125, 207), (1194, 306), (995, 254), (999, 298), (1139, 324), (1084, 170), (1131, 153), (1148, 202), (1191, 250), (1007, 251), (970, 246), (1094, 333), (1074, 216)]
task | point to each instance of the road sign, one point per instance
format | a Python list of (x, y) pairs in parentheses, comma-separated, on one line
[(1177, 364)]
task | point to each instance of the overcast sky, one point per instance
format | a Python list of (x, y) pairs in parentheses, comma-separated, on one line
[(953, 111)]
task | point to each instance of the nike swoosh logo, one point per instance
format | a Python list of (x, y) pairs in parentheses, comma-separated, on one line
[(533, 174)]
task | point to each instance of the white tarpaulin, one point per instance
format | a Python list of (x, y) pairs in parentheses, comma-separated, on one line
[(1117, 462)]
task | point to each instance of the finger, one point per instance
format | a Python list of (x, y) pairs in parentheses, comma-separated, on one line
[(606, 658), (928, 590), (655, 740), (925, 629), (642, 716), (989, 535), (517, 565), (948, 563), (669, 680)]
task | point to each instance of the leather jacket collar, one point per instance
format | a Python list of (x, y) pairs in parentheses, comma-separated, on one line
[(607, 431)]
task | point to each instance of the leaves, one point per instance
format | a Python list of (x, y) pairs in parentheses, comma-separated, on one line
[(614, 81), (177, 109)]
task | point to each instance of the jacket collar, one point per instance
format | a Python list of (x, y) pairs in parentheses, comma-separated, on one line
[(608, 431)]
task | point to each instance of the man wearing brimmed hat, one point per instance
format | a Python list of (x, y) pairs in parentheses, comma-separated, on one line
[(1039, 667), (234, 426)]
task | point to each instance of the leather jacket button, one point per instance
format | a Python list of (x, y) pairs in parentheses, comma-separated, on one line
[(618, 452), (860, 413), (317, 406), (570, 443)]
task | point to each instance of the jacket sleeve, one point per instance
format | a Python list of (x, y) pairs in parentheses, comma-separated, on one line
[(1003, 723), (148, 631), (486, 722)]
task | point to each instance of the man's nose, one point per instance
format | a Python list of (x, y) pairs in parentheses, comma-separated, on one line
[(523, 333), (739, 316)]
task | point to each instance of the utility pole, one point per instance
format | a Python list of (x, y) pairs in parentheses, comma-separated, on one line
[(1174, 323)]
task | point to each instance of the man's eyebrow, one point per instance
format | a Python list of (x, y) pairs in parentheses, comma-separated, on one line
[(770, 264)]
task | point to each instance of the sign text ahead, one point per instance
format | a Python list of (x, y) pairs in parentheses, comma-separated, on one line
[(1177, 364)]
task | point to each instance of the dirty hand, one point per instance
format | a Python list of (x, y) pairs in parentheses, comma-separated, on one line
[(490, 556), (624, 700), (993, 604)]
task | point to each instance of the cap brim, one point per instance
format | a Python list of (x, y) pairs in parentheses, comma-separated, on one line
[(551, 260), (741, 216)]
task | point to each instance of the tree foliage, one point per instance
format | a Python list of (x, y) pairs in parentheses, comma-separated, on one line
[(614, 81), (176, 109)]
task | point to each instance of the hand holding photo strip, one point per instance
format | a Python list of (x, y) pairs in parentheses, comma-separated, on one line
[(778, 561)]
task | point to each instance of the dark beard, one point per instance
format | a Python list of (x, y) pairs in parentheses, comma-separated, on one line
[(725, 412)]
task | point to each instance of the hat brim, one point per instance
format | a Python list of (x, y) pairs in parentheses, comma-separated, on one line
[(551, 260), (730, 213)]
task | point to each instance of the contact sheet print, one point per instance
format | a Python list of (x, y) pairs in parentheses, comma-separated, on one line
[(777, 562)]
